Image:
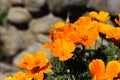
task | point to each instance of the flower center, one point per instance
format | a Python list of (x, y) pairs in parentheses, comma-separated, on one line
[(36, 69)]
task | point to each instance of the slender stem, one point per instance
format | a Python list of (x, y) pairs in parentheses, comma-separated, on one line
[(95, 44), (101, 41), (118, 53), (83, 52), (83, 47)]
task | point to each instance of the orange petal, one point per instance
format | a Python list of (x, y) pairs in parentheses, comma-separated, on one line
[(28, 59), (39, 76), (84, 20), (93, 14), (97, 69), (112, 69), (40, 55), (92, 36), (65, 56), (47, 45)]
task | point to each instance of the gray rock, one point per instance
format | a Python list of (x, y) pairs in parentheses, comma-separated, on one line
[(18, 15), (4, 75), (28, 38), (5, 3), (34, 5), (43, 24), (114, 6), (97, 4), (37, 3), (15, 40), (30, 50), (42, 38), (7, 70), (4, 67), (11, 39), (106, 5), (74, 7), (16, 1)]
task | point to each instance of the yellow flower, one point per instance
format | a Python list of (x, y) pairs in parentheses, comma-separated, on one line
[(101, 16), (61, 48), (99, 72), (19, 76), (118, 20), (36, 65)]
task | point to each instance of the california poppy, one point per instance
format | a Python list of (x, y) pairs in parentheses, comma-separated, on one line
[(114, 33), (101, 16), (84, 34), (18, 76), (61, 48), (84, 20), (105, 28), (61, 31), (99, 72), (36, 65)]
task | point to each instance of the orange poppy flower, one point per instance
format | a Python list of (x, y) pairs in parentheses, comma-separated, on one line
[(118, 20), (19, 76), (84, 35), (80, 32), (114, 33), (99, 72), (84, 20), (36, 65), (61, 32), (101, 16), (105, 28), (61, 48), (95, 25)]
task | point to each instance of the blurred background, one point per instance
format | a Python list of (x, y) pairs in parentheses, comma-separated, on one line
[(25, 24)]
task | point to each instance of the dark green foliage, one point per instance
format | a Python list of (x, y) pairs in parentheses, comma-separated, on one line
[(3, 15)]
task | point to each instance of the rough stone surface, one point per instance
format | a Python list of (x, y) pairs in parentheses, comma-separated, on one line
[(28, 38), (18, 15), (5, 3), (42, 38), (43, 24), (15, 41), (34, 2), (16, 1), (7, 70), (11, 39), (34, 5), (106, 5), (114, 6)]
